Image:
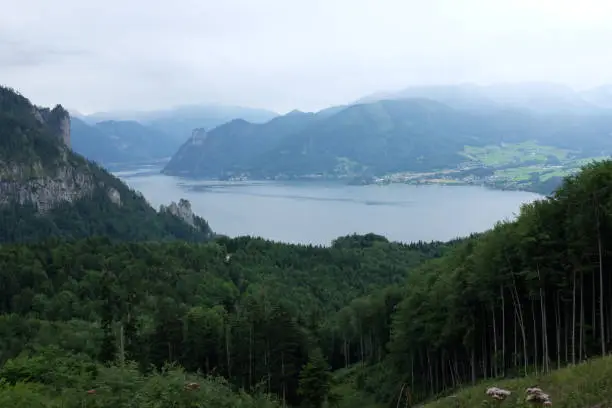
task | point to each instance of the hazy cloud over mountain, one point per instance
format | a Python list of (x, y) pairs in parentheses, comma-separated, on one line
[(98, 55)]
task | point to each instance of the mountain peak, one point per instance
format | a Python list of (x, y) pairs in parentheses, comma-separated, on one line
[(238, 122), (48, 190), (295, 112)]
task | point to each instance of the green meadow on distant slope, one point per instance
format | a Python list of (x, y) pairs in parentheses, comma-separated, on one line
[(414, 140)]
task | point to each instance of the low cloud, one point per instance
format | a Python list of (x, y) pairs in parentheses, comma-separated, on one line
[(19, 54), (143, 54)]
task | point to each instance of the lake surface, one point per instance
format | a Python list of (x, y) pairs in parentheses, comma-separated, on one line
[(317, 213)]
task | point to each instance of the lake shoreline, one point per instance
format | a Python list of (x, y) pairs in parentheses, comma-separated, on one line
[(436, 178), (315, 212), (347, 182)]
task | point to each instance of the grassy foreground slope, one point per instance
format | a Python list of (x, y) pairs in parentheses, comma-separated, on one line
[(588, 384)]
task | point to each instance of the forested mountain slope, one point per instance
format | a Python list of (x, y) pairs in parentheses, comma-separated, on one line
[(245, 309), (524, 298), (232, 145), (387, 137), (48, 190)]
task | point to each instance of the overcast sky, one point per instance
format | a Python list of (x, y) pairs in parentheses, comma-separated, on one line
[(96, 55)]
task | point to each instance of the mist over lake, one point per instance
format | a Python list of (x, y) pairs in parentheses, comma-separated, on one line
[(318, 212)]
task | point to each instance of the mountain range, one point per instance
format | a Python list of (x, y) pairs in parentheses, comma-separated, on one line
[(412, 134), (120, 141), (417, 129), (129, 137), (542, 97)]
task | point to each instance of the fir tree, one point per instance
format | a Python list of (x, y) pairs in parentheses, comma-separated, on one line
[(315, 380)]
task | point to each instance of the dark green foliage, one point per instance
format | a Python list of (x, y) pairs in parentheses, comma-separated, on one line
[(545, 187), (108, 349), (53, 379), (524, 298), (315, 380), (358, 241), (253, 318), (23, 138)]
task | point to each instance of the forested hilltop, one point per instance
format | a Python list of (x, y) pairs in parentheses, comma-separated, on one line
[(74, 315), (48, 190)]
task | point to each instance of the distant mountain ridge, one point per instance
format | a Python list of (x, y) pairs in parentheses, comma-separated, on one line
[(131, 137), (393, 135), (541, 97), (124, 141), (178, 122), (600, 96)]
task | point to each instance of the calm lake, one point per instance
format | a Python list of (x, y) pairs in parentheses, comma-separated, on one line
[(317, 213)]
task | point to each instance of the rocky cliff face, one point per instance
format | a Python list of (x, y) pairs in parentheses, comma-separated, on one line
[(185, 153), (30, 185), (198, 136), (64, 128), (57, 120), (34, 168), (48, 190), (181, 210)]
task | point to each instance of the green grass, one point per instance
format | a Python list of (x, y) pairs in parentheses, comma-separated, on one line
[(345, 386), (587, 385), (513, 165), (500, 155), (518, 173), (545, 175)]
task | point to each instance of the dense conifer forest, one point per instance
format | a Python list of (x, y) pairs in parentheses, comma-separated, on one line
[(245, 309), (524, 298)]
